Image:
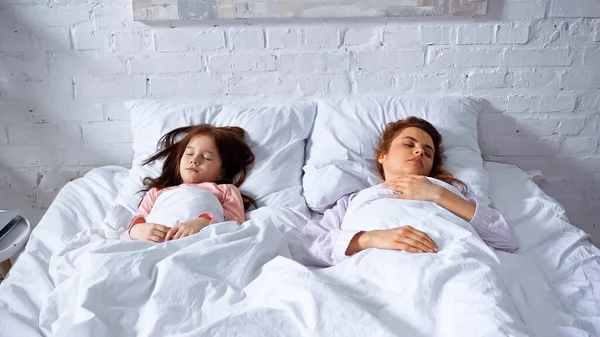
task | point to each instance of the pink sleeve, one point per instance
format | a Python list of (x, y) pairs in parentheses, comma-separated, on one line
[(233, 205), (492, 228), (142, 212)]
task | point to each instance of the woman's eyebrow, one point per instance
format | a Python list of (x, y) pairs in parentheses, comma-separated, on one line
[(414, 140)]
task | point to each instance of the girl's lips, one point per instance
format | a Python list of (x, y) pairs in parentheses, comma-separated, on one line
[(191, 169)]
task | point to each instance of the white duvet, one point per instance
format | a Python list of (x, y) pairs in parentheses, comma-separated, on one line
[(231, 280)]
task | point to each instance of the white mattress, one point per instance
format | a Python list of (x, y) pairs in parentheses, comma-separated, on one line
[(562, 256)]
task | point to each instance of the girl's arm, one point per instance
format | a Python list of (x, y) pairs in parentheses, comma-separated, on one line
[(142, 212), (487, 222), (233, 205)]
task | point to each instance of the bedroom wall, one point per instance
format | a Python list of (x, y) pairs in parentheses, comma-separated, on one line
[(66, 64)]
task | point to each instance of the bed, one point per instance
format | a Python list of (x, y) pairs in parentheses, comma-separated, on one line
[(246, 281)]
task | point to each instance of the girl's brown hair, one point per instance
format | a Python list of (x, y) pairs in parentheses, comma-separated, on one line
[(236, 156), (437, 170)]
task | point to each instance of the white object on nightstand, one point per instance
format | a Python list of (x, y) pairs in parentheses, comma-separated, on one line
[(13, 242)]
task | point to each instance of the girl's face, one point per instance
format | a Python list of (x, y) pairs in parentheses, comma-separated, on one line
[(201, 161), (411, 152)]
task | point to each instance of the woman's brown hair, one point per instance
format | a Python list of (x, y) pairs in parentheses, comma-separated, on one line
[(236, 156), (438, 171)]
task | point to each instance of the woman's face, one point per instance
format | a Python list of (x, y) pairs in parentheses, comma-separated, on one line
[(411, 152), (201, 161)]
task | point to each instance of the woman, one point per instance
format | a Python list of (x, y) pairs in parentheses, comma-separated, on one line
[(409, 151)]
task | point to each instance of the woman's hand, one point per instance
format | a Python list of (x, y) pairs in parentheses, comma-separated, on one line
[(149, 232), (414, 187), (187, 228), (401, 238)]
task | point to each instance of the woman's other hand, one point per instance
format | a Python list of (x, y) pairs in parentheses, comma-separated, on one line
[(404, 238), (414, 187)]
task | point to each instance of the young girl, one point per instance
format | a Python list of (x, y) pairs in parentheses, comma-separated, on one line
[(198, 185), (409, 152)]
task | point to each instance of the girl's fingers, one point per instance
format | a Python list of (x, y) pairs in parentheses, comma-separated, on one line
[(155, 238), (161, 228), (178, 234), (158, 233), (171, 233)]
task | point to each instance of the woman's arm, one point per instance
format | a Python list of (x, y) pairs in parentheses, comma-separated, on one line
[(324, 243), (487, 222)]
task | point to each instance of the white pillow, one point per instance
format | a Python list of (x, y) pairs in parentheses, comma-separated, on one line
[(341, 149), (276, 135)]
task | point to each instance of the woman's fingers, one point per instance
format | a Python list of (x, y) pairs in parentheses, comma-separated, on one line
[(408, 248), (419, 236)]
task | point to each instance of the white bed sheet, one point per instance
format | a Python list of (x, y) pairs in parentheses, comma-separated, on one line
[(552, 251)]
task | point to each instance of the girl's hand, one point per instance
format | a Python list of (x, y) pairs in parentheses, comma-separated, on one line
[(401, 238), (149, 232), (414, 187), (186, 228)]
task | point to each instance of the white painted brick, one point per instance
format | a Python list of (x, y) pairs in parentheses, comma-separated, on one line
[(30, 156), (12, 199), (166, 64), (402, 36), (591, 56), (107, 132), (110, 154), (54, 17), (4, 179), (497, 125), (3, 136), (311, 62), (44, 198), (283, 38), (90, 39), (436, 35), (464, 57), (50, 39), (526, 9), (486, 80), (435, 82), (509, 146), (115, 112), (388, 59), (538, 78), (570, 126), (36, 134), (366, 81), (133, 41), (523, 103), (109, 86), (596, 36), (247, 39), (54, 179), (324, 37), (537, 57), (183, 39), (53, 90), (241, 63), (176, 87), (361, 35), (558, 103), (566, 8), (14, 112), (479, 34), (67, 112), (581, 78), (509, 34), (86, 63), (579, 145), (260, 85), (117, 15), (18, 67), (323, 85)]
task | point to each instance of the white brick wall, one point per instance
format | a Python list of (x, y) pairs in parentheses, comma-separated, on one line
[(67, 65)]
